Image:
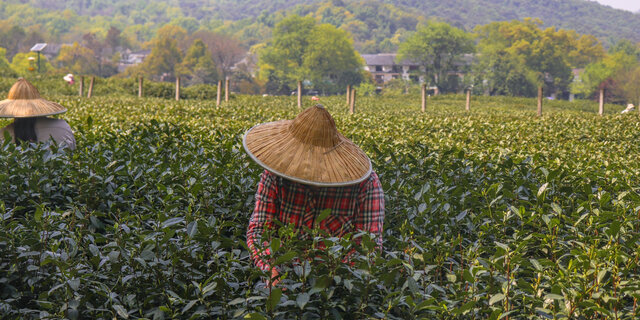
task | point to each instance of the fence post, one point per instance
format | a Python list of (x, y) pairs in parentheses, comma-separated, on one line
[(299, 94), (352, 105), (423, 90), (178, 88), (540, 101), (468, 106), (226, 89), (348, 94), (140, 83), (90, 92), (81, 87), (601, 104), (219, 96)]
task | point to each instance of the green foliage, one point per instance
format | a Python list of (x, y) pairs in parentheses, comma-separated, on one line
[(517, 56), (331, 60), (599, 75), (5, 68), (284, 57), (435, 47), (77, 59), (165, 57), (301, 50), (198, 64), (26, 67), (489, 213)]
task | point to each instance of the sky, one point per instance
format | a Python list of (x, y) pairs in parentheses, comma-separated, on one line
[(630, 5)]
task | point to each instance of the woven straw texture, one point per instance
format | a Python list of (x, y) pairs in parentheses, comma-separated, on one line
[(308, 149), (24, 101)]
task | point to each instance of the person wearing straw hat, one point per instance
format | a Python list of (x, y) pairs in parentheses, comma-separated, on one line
[(30, 112), (311, 167)]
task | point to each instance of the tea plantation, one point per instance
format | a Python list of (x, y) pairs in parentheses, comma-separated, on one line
[(491, 214)]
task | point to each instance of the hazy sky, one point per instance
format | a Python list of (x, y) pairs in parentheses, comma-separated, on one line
[(631, 5)]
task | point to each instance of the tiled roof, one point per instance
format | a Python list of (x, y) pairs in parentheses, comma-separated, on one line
[(385, 59)]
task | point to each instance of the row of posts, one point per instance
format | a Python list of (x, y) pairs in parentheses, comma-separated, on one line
[(141, 92), (351, 100), (350, 95)]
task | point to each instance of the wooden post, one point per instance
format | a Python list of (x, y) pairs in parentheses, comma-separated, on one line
[(226, 89), (348, 94), (352, 105), (81, 87), (601, 105), (423, 90), (90, 92), (468, 106), (299, 94), (140, 83), (219, 97), (178, 88), (540, 101)]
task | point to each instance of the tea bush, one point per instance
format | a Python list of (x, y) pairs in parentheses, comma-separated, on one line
[(490, 214), (51, 85)]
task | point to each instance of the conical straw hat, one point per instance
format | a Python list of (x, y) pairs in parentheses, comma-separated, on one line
[(308, 150), (24, 101)]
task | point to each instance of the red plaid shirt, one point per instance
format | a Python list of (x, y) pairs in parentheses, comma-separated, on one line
[(353, 208)]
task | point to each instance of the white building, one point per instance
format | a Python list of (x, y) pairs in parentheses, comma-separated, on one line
[(384, 68)]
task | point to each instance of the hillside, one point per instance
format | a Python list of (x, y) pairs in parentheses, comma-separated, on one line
[(372, 22)]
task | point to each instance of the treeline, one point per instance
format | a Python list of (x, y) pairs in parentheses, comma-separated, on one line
[(376, 25), (318, 48)]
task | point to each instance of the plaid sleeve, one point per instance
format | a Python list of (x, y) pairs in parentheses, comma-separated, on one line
[(370, 215), (262, 217)]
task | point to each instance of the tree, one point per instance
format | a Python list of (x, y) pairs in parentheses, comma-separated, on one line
[(301, 50), (113, 39), (282, 60), (331, 59), (164, 57), (25, 64), (601, 75), (627, 47), (198, 64), (519, 53), (628, 85), (435, 47), (5, 67), (12, 39), (78, 59), (225, 51)]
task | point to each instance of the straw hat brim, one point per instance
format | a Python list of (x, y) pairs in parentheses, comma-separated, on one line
[(29, 108), (274, 148)]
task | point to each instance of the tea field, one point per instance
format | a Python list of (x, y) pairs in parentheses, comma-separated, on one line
[(491, 214)]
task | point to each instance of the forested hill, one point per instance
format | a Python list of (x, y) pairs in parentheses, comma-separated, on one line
[(251, 20)]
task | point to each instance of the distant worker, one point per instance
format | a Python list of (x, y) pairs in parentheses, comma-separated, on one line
[(629, 108), (30, 112), (311, 167), (69, 79)]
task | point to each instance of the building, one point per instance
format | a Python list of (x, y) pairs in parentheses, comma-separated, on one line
[(130, 59), (384, 68)]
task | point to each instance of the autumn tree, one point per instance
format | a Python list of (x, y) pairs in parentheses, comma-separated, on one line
[(514, 57), (225, 51), (198, 65), (78, 59), (628, 85), (165, 56), (435, 47), (601, 76)]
